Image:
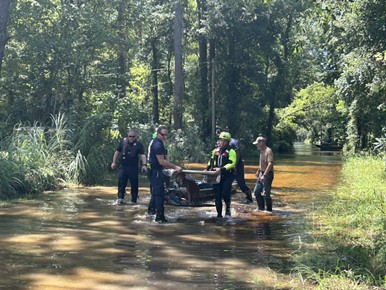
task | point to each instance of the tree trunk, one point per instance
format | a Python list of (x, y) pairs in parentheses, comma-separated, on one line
[(154, 73), (4, 16), (121, 57), (204, 100), (279, 90), (179, 73), (212, 55), (233, 85)]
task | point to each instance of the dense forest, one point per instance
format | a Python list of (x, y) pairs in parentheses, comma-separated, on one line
[(76, 74)]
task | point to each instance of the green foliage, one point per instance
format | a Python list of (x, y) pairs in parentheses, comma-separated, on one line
[(284, 134), (353, 59), (93, 149), (186, 146), (351, 241), (324, 58), (11, 178), (380, 144), (315, 109), (36, 157)]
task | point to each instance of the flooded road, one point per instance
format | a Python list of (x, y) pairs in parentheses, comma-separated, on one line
[(76, 239)]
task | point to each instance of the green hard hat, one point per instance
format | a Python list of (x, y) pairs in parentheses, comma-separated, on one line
[(225, 136)]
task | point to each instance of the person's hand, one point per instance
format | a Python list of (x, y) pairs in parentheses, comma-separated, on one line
[(113, 166), (178, 169), (144, 168), (262, 177), (217, 171)]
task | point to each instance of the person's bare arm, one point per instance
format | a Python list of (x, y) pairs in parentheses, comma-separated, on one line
[(115, 159), (269, 167), (166, 164), (143, 161)]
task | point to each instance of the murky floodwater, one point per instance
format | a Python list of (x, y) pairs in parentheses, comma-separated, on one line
[(76, 239)]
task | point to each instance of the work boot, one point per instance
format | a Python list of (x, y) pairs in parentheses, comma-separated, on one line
[(120, 201), (248, 197), (150, 210), (268, 201), (228, 212), (260, 202), (228, 209), (161, 219)]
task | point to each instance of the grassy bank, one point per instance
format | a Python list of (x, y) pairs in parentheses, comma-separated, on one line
[(347, 246)]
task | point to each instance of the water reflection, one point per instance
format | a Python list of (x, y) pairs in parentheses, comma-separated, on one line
[(78, 240)]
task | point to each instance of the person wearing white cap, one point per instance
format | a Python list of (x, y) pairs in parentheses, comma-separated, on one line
[(264, 175)]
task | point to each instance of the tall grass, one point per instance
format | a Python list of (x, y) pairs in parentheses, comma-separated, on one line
[(36, 158), (350, 243), (11, 179), (94, 149)]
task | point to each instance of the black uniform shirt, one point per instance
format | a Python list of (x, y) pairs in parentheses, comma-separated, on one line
[(130, 152)]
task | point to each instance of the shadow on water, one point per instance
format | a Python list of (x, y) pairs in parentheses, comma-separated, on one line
[(76, 239)]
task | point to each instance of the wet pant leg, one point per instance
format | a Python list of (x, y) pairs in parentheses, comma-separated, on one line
[(133, 173), (151, 206), (267, 188), (227, 180), (123, 177), (223, 192), (259, 187), (158, 188), (240, 177), (268, 184), (218, 199)]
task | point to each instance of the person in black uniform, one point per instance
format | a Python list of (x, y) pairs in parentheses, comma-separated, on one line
[(239, 175), (129, 151), (157, 162), (151, 207)]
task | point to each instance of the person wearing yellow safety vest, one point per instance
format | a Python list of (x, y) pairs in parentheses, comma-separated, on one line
[(223, 162)]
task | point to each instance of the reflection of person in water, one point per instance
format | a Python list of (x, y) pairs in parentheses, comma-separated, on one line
[(263, 231)]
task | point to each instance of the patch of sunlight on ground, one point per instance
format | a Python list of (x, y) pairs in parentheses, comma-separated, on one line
[(84, 278)]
